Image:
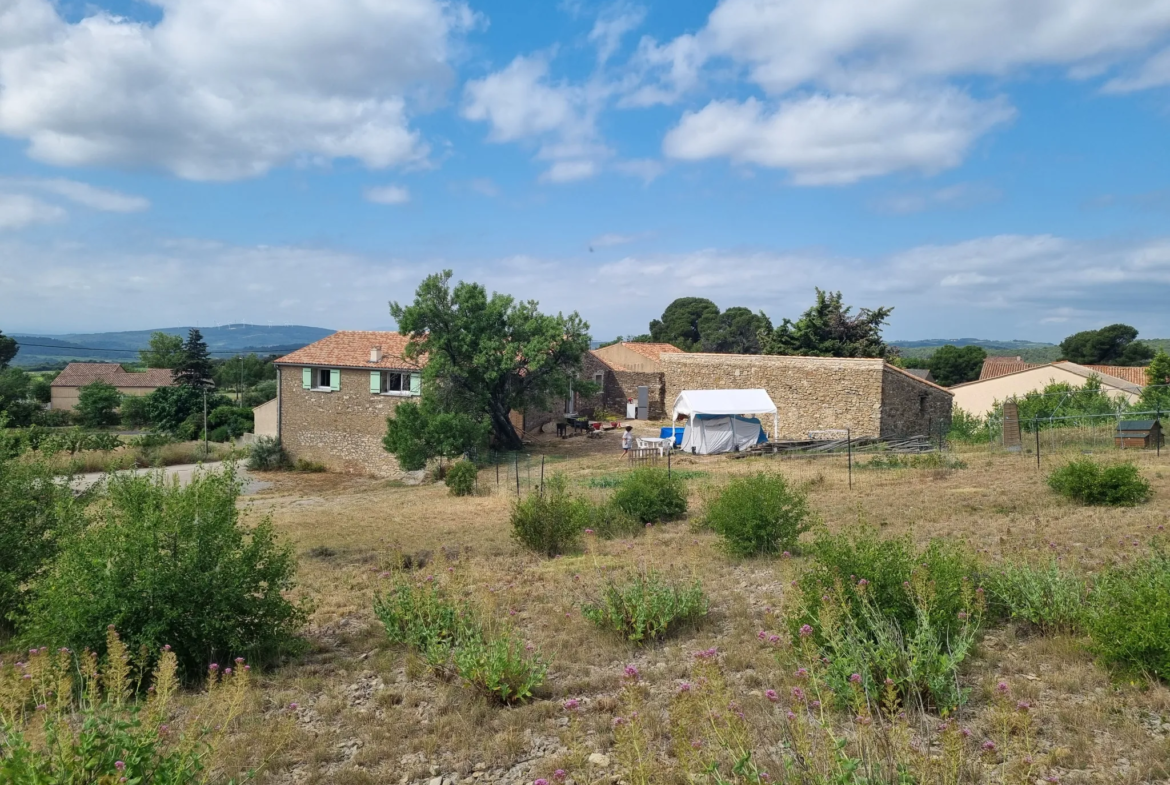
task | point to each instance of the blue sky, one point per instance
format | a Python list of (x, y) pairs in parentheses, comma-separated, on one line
[(988, 168)]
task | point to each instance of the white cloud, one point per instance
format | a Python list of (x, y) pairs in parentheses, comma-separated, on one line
[(834, 139), (1155, 72), (91, 196), (388, 194), (18, 211), (223, 89), (611, 27), (520, 103), (613, 239), (955, 196)]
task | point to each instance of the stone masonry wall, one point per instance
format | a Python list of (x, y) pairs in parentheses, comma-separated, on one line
[(341, 429), (619, 386), (911, 407), (810, 393)]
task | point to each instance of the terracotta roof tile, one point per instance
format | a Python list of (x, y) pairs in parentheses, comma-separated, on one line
[(1134, 374), (81, 374), (652, 351), (1002, 366), (351, 349)]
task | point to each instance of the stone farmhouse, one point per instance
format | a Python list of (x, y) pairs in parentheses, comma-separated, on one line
[(620, 369), (333, 398), (66, 388), (870, 397)]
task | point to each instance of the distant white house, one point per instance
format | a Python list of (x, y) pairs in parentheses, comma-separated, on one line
[(980, 397)]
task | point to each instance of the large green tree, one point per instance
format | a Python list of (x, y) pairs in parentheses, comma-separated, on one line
[(97, 405), (195, 368), (164, 351), (828, 329), (952, 364), (680, 321), (492, 355), (8, 349), (735, 331), (1156, 393), (1116, 344), (429, 428)]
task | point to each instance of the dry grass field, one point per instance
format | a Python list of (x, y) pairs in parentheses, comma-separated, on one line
[(369, 712)]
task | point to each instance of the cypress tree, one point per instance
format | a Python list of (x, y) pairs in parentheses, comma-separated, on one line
[(195, 368)]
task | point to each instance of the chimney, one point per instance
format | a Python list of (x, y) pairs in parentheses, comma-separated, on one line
[(376, 354)]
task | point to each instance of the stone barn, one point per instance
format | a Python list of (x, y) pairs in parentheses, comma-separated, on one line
[(870, 397), (619, 370)]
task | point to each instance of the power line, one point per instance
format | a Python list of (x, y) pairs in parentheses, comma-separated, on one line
[(122, 351)]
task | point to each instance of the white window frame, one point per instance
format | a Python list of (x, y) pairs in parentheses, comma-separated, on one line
[(404, 376), (317, 380)]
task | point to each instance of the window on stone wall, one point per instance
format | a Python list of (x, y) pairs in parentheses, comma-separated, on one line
[(393, 382), (324, 378), (922, 403)]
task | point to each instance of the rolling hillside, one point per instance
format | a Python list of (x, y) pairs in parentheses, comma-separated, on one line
[(41, 350)]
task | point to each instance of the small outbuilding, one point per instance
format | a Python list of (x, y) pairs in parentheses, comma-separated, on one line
[(718, 421), (1139, 434)]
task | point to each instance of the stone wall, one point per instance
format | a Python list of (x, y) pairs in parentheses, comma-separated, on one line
[(810, 393), (619, 386), (911, 406), (341, 429)]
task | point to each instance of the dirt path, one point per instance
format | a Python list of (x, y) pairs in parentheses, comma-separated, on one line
[(183, 471)]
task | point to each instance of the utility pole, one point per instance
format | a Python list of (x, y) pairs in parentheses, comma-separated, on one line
[(205, 453)]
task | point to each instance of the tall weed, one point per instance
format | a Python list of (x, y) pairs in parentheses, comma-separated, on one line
[(647, 607), (1128, 619), (1047, 597), (552, 521), (1087, 482)]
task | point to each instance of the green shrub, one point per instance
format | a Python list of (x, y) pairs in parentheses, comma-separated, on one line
[(171, 565), (650, 495), (309, 467), (615, 480), (1088, 482), (97, 405), (135, 411), (36, 514), (894, 571), (1047, 597), (105, 736), (646, 608), (926, 460), (610, 522), (759, 515), (461, 478), (1128, 618), (551, 522), (267, 455), (421, 616), (500, 668)]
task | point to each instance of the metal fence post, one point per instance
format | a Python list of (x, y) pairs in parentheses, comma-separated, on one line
[(1036, 427), (849, 448), (542, 476), (669, 450), (517, 461)]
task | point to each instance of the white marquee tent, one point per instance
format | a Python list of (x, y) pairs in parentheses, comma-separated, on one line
[(716, 424)]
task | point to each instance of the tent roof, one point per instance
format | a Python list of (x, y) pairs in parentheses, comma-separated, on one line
[(691, 402)]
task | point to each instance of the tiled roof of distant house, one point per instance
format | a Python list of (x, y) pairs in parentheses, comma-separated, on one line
[(1134, 374), (652, 351), (1002, 366), (81, 374), (351, 349)]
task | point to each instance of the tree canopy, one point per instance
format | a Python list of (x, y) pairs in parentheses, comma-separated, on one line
[(8, 349), (828, 329), (489, 356), (1156, 393), (680, 321), (97, 405), (194, 370), (1116, 344), (164, 351), (735, 331), (954, 364)]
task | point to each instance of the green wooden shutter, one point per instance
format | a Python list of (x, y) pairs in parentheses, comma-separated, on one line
[(416, 384), (375, 381), (335, 379), (306, 378)]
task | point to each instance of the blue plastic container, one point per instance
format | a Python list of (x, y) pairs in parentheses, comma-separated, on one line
[(675, 433)]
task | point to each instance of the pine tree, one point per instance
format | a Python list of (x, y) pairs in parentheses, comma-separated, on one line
[(195, 368)]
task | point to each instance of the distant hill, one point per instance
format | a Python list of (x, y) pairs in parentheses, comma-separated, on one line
[(123, 346), (1030, 351)]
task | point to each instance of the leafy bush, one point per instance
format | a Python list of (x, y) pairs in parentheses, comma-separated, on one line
[(759, 514), (448, 634), (309, 467), (36, 514), (421, 616), (615, 480), (609, 522), (56, 418), (1088, 482), (461, 478), (646, 608), (501, 668), (171, 565), (894, 571), (97, 405), (267, 455), (105, 736), (135, 411), (650, 495), (551, 522), (231, 421), (1047, 597), (1128, 619)]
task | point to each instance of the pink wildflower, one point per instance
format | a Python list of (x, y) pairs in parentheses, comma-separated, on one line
[(771, 695)]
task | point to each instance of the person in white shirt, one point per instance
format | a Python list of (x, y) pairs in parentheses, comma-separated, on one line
[(627, 440)]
